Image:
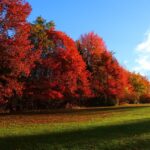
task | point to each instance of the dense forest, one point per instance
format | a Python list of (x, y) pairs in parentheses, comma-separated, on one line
[(42, 68)]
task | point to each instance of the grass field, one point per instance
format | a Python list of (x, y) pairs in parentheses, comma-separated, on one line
[(110, 128)]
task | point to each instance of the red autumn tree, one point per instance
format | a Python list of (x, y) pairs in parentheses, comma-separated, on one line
[(91, 47), (107, 81), (113, 79), (62, 73), (16, 55)]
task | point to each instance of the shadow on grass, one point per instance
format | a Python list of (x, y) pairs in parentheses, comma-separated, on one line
[(77, 111), (128, 136)]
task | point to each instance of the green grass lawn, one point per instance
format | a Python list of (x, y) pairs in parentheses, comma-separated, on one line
[(110, 128)]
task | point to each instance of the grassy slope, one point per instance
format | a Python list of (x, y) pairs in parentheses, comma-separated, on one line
[(115, 128)]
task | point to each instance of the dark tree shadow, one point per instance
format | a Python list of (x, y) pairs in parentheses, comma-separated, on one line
[(77, 111), (117, 137)]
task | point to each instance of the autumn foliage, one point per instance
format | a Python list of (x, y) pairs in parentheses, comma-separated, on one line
[(16, 57), (61, 74), (39, 64), (108, 80)]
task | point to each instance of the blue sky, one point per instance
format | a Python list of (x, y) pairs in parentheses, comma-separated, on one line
[(124, 25)]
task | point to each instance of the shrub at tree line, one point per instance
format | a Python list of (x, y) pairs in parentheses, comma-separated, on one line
[(43, 68)]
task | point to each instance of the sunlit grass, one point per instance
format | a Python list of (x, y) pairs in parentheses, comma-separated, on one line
[(126, 128)]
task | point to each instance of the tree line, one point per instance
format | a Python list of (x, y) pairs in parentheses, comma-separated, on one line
[(42, 68)]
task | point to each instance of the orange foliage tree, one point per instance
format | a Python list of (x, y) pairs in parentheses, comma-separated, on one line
[(140, 86)]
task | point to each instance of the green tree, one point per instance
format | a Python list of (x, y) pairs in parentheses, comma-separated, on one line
[(39, 36)]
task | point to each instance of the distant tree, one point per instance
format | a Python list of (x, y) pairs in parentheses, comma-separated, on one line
[(16, 57), (140, 85)]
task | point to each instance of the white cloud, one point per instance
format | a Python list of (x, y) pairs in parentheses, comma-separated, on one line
[(144, 47), (143, 56)]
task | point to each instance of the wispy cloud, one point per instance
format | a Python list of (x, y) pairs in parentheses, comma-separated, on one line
[(144, 46), (143, 56)]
